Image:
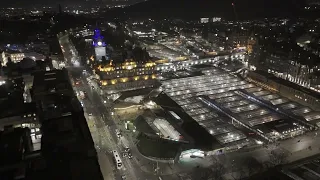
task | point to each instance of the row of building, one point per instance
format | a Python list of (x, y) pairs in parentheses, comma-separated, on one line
[(47, 138)]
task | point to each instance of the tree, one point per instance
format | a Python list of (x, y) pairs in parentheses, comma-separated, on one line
[(252, 165), (202, 173), (213, 172), (9, 61), (48, 61), (10, 65), (218, 170), (278, 157), (104, 60)]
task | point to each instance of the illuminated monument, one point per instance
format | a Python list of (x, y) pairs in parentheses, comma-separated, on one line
[(99, 45)]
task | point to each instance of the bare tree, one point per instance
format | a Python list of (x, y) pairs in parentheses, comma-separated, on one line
[(278, 157), (218, 170), (201, 173), (240, 174), (213, 172), (252, 165)]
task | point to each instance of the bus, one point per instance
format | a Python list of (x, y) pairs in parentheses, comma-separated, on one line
[(117, 159), (82, 95)]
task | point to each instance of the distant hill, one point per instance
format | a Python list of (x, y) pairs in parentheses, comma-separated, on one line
[(246, 9), (41, 3)]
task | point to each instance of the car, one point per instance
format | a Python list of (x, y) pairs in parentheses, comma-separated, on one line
[(118, 132), (90, 114), (123, 177), (124, 154), (130, 155)]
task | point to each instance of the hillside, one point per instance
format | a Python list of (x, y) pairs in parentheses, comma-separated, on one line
[(246, 9)]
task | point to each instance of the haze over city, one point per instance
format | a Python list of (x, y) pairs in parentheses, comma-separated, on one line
[(160, 90)]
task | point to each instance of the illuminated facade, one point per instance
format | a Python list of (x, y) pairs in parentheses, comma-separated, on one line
[(128, 71), (99, 45), (15, 57)]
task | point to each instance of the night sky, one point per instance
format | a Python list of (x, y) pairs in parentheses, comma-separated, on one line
[(36, 3)]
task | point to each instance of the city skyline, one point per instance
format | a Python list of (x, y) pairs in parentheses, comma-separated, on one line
[(160, 90), (39, 3)]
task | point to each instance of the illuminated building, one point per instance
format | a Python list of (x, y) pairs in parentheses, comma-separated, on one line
[(204, 20), (127, 71), (99, 45), (15, 57), (19, 56), (216, 19)]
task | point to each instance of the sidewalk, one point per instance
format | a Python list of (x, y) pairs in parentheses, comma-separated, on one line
[(106, 166)]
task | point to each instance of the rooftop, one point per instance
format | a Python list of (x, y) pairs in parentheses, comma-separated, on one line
[(67, 134), (51, 82), (289, 84), (223, 93), (57, 105), (11, 146), (10, 109)]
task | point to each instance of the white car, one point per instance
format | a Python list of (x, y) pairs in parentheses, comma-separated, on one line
[(90, 114)]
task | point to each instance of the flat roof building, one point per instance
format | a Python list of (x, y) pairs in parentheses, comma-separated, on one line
[(15, 144), (51, 82)]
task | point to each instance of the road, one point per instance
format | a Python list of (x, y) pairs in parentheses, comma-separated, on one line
[(102, 126), (96, 116), (106, 123)]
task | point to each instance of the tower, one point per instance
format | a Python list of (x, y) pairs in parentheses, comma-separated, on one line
[(99, 45)]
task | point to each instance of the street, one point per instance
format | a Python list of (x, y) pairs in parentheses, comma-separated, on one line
[(102, 126)]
